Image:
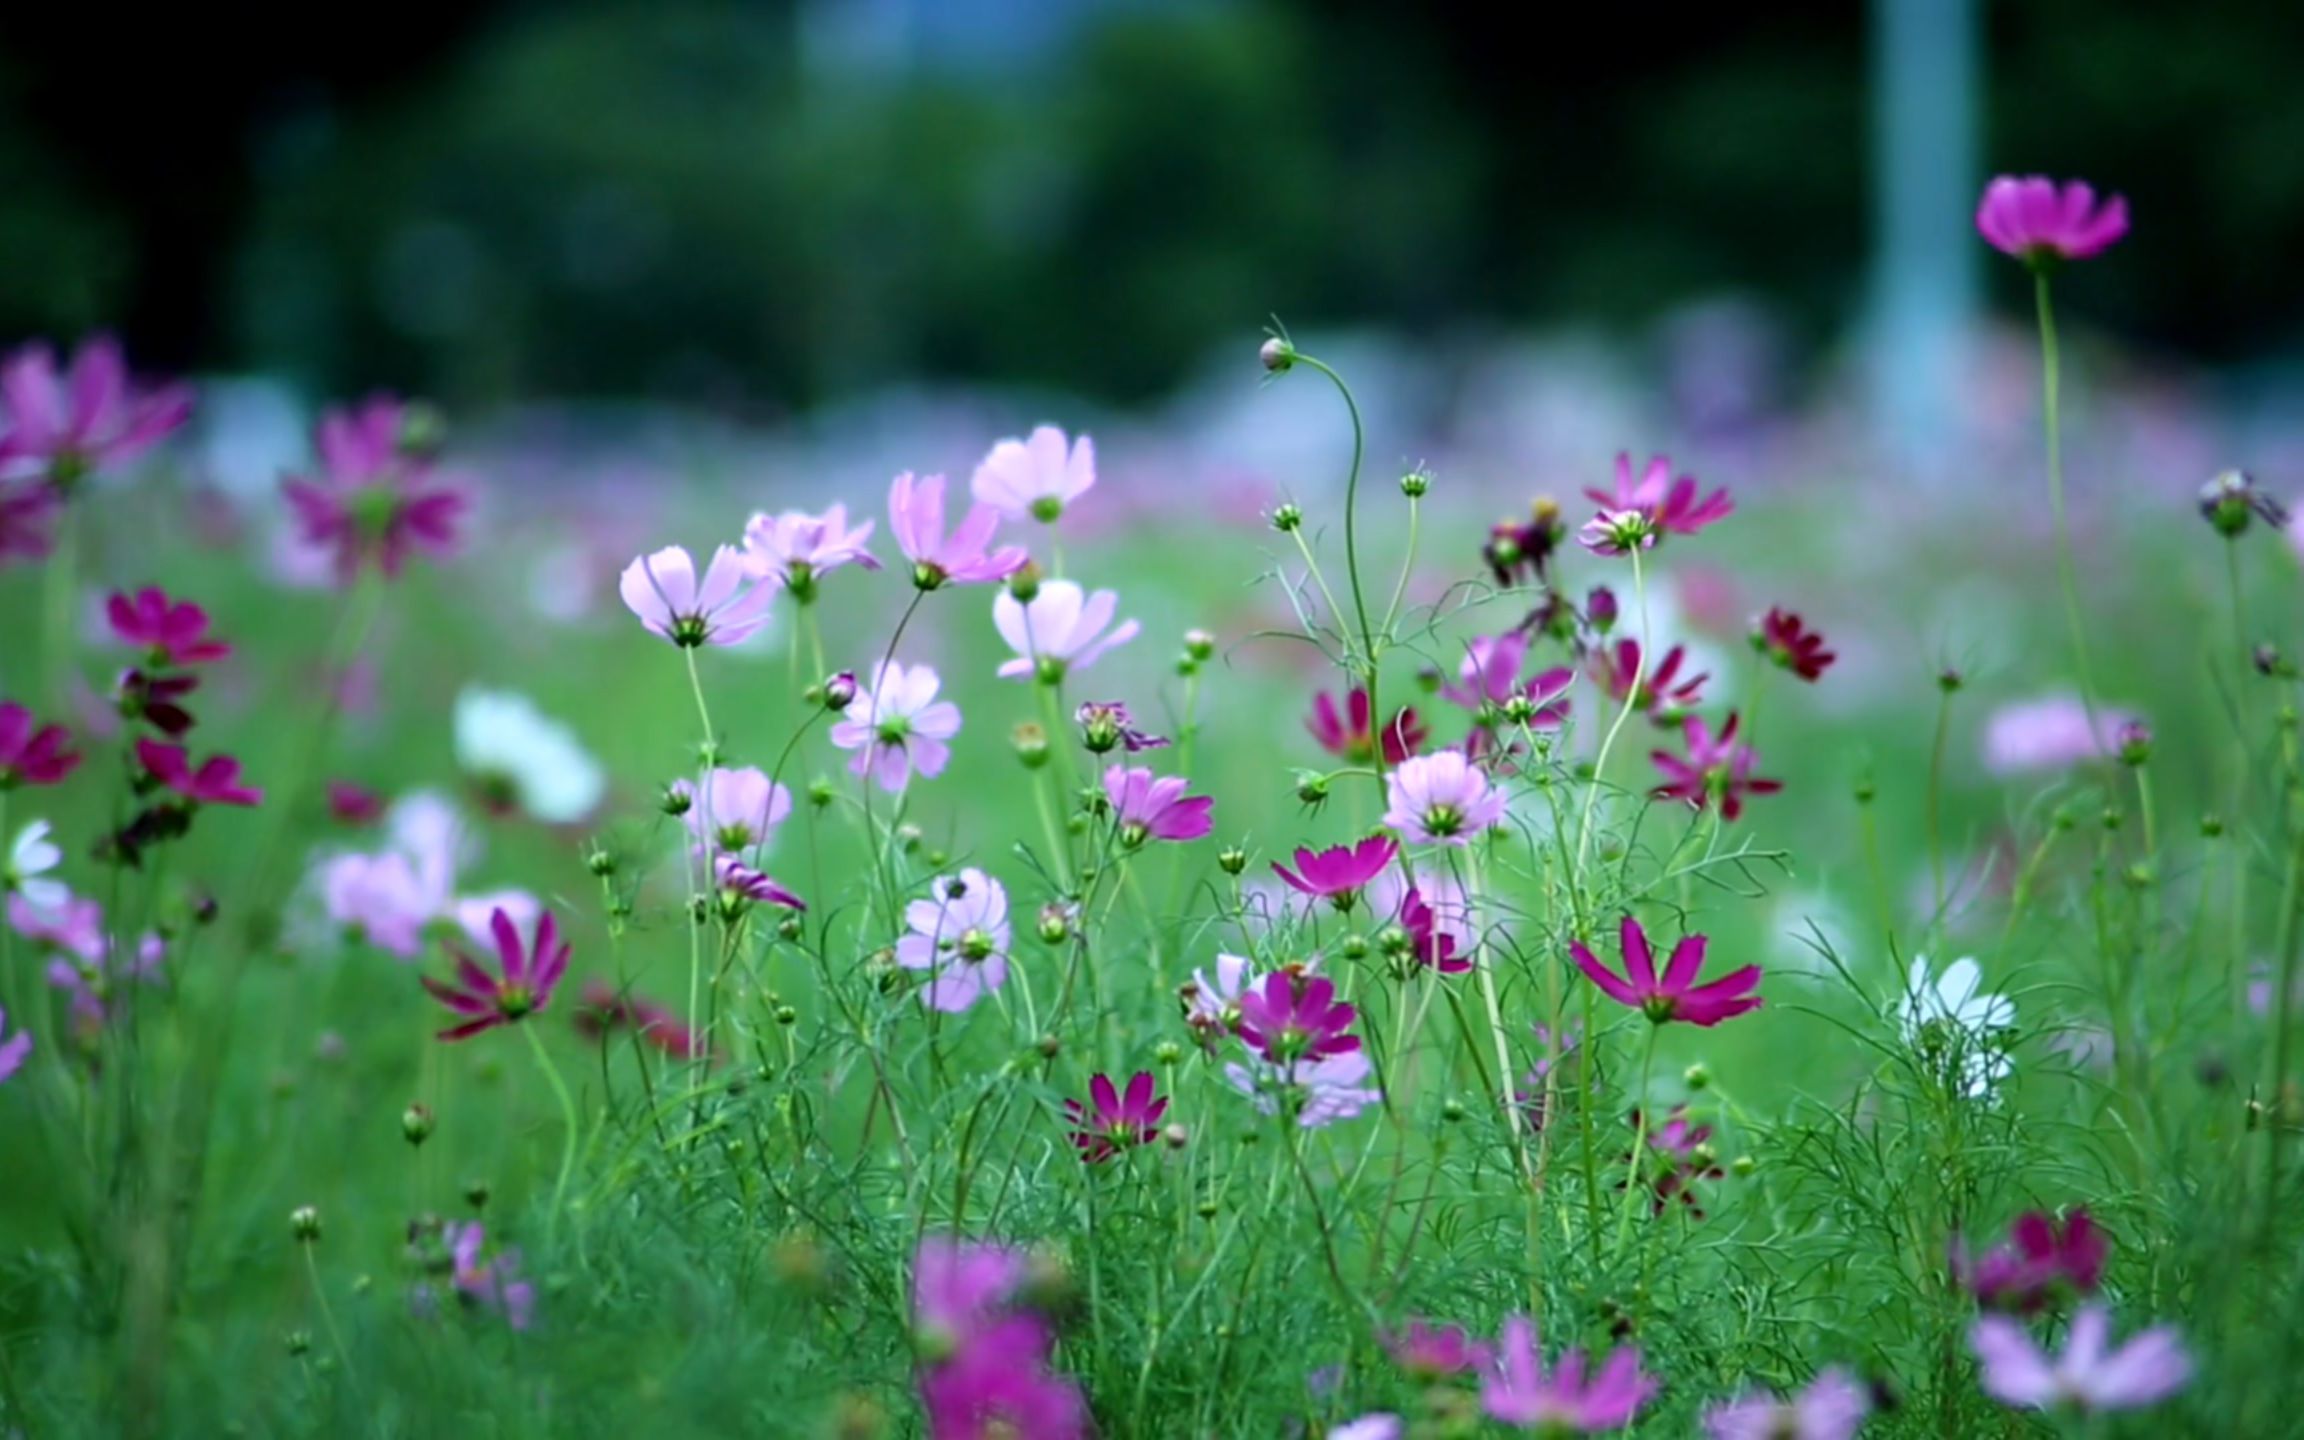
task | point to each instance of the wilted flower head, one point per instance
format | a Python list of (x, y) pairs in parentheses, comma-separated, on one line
[(1441, 799), (63, 426), (522, 757), (899, 726), (662, 589), (1522, 550), (1674, 995), (1833, 1407), (376, 497), (2230, 500), (215, 781), (2040, 222), (493, 1283), (796, 549), (1035, 478), (1716, 771), (1061, 629), (1520, 1394), (2088, 1376), (742, 882), (960, 936), (1105, 724), (916, 518)]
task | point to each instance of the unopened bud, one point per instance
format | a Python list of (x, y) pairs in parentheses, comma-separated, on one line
[(1049, 1047), (1696, 1077), (1031, 744), (476, 1193), (1600, 609), (821, 793), (840, 690), (1287, 518), (304, 1224), (1743, 1167), (1025, 583), (600, 863), (1168, 1052), (1055, 925), (1451, 1109), (1199, 644), (416, 1123), (2133, 742), (1276, 355), (1417, 483), (1312, 789), (908, 838), (1232, 859), (1175, 1137)]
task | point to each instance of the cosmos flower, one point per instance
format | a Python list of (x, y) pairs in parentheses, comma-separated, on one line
[(1951, 1020), (1293, 1017), (1662, 693), (2088, 1376), (1347, 731), (1105, 724), (742, 883), (998, 1385), (1434, 1352), (32, 754), (960, 937), (662, 589), (1035, 478), (31, 856), (1111, 1121), (1618, 532), (377, 498), (1156, 808), (1379, 1426), (735, 811), (527, 976), (2041, 222), (1432, 946), (1489, 679), (170, 632), (2041, 1258), (2052, 732), (1675, 995), (1062, 629), (1716, 771), (1520, 551), (916, 518), (796, 549), (1339, 873), (959, 1285), (63, 426), (1212, 1005), (1833, 1407), (602, 1009), (1679, 1155), (494, 1284), (522, 757), (1441, 800), (215, 782), (1518, 1392), (1317, 1093), (1669, 503), (1781, 637), (898, 726)]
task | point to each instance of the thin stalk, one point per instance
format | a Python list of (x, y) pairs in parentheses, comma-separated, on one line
[(568, 1129), (2050, 375)]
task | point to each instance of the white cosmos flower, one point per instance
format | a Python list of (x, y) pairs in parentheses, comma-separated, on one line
[(502, 737), (1974, 1019), (29, 861)]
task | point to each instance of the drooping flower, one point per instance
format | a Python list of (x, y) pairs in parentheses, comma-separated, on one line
[(1781, 637), (1112, 1121), (2049, 733), (999, 1385), (1950, 1022), (377, 497), (1339, 873), (796, 549), (1105, 724), (1488, 680), (735, 811), (216, 781), (1293, 1017), (1716, 771), (1156, 808), (1317, 1093), (170, 632), (1670, 503), (13, 1048), (899, 726), (2087, 1377), (1348, 732), (32, 754), (493, 1283), (62, 427), (1833, 1407), (916, 518), (1662, 694), (1441, 799), (661, 588), (1434, 1352), (1035, 478), (522, 757), (527, 976), (2041, 222), (749, 886), (960, 937), (1675, 995), (31, 856), (2041, 1258), (1517, 1392), (1060, 630)]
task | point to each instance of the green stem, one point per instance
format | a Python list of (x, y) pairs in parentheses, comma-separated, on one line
[(2050, 374), (568, 1128), (1634, 1166), (1631, 700)]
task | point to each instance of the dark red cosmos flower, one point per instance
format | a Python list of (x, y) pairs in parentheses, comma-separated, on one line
[(351, 804), (1675, 995), (1347, 732), (2039, 1259), (1339, 873), (174, 632), (1717, 770), (216, 781), (32, 754), (1662, 694), (529, 975), (1111, 1121), (1781, 637)]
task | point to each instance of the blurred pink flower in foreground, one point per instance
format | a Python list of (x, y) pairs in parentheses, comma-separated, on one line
[(62, 426), (2035, 219), (1518, 1393), (2087, 1377), (2049, 733), (1833, 1407), (13, 1049), (377, 496)]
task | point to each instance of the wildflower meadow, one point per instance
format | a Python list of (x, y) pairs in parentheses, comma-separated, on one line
[(861, 952)]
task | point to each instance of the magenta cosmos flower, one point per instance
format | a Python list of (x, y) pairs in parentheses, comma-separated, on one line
[(741, 885), (960, 937), (1675, 995), (2040, 1259), (1062, 629), (735, 811), (1518, 1393), (1035, 478), (1294, 1017), (1781, 637), (796, 549), (2088, 1376), (492, 1283), (1662, 692), (898, 726), (998, 1385), (32, 754), (1434, 1352), (62, 427), (1112, 1121), (916, 518), (663, 591), (170, 632), (529, 975), (1489, 679), (376, 496), (958, 1286), (1348, 732), (2041, 222), (1833, 1407), (1339, 873), (216, 781), (1716, 770), (1669, 502), (1433, 946), (1156, 808), (1441, 799)]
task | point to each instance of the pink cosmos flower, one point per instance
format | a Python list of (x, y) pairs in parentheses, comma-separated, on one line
[(958, 1286), (1618, 532), (13, 1048), (1338, 873), (1678, 1156), (1433, 947), (1489, 678), (916, 518), (898, 726), (1781, 637), (1441, 799), (215, 782), (1112, 1122), (1662, 694), (1518, 1393), (741, 884), (1061, 630), (62, 427), (796, 549), (1035, 478), (32, 754), (1833, 1407), (1212, 1006), (1716, 771), (1318, 1093), (661, 589), (387, 900), (2049, 733), (2039, 221), (351, 804), (493, 1284), (1670, 504), (170, 632), (1107, 723), (74, 927), (1295, 1017), (735, 811), (960, 937), (1149, 808), (529, 975), (376, 497), (28, 510), (2040, 1258), (1349, 734), (1431, 1352), (2087, 1377), (1676, 995), (998, 1385)]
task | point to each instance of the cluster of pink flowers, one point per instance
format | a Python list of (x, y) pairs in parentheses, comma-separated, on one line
[(983, 1354)]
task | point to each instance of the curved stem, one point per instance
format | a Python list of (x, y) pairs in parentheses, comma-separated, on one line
[(1631, 700)]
